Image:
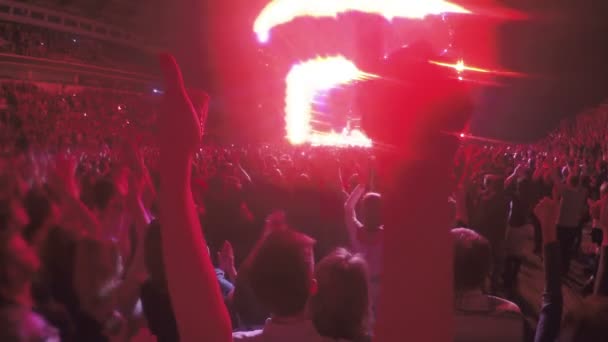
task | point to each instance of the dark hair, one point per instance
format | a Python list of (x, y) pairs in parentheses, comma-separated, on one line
[(573, 180), (472, 259), (57, 256), (38, 207), (588, 321), (340, 308), (371, 210), (103, 192), (281, 272)]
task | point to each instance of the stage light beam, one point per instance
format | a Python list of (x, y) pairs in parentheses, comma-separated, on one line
[(278, 12)]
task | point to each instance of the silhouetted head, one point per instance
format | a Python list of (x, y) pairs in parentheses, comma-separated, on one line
[(472, 259), (282, 272), (340, 308)]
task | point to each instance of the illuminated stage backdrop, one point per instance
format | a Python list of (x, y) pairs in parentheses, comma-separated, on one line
[(381, 26), (307, 79)]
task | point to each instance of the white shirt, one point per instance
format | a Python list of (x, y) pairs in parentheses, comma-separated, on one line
[(301, 331)]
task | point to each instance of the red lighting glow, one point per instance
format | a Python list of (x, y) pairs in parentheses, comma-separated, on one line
[(279, 12), (303, 82)]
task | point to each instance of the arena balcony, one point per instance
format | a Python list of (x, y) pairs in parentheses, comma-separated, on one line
[(43, 45)]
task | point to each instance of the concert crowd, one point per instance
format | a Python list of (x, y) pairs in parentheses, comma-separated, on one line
[(117, 220)]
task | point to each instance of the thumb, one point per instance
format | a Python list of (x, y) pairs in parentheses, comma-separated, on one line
[(200, 102), (172, 74)]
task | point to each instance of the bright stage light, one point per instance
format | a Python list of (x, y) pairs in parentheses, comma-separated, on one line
[(263, 36), (459, 66), (279, 12), (304, 81)]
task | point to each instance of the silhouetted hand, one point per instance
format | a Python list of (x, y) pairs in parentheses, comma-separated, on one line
[(180, 128)]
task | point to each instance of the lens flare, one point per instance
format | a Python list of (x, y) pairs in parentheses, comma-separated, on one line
[(303, 82), (461, 67), (279, 12)]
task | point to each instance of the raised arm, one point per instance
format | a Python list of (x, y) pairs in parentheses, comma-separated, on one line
[(240, 170), (551, 310), (350, 215), (416, 178), (63, 182), (512, 177), (199, 308)]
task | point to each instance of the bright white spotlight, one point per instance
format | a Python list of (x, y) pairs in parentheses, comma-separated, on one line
[(263, 37)]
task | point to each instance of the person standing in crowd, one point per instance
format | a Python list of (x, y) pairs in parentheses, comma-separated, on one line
[(519, 187), (282, 278), (573, 200), (587, 321), (543, 180), (18, 318), (480, 317), (597, 236), (341, 307), (490, 219), (366, 237)]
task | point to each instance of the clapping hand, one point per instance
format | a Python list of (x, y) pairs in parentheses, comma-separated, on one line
[(225, 259)]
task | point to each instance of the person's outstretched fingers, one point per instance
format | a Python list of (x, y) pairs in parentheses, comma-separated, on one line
[(172, 74), (200, 100), (179, 124)]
